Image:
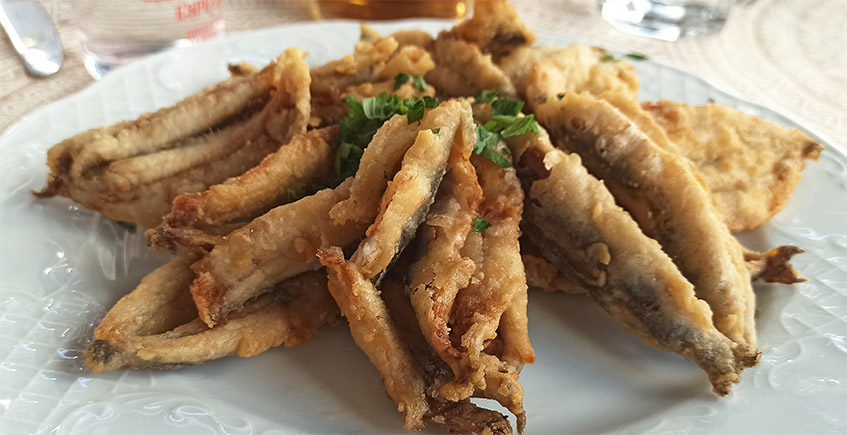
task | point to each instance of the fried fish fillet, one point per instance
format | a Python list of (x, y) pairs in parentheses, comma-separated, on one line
[(517, 64), (284, 241), (462, 416), (441, 271), (156, 325), (495, 28), (278, 245), (403, 206), (462, 69), (202, 219), (500, 291), (751, 166), (375, 333), (578, 68), (573, 219), (131, 171), (664, 195), (369, 71), (409, 195)]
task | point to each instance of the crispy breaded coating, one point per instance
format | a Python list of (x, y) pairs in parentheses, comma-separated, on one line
[(462, 69), (202, 219), (751, 166), (369, 71), (156, 325), (461, 416), (478, 309), (375, 333), (495, 28), (573, 220), (409, 195), (517, 64), (280, 244), (665, 197), (579, 69), (131, 171)]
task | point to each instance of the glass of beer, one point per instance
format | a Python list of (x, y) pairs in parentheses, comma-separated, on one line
[(389, 9)]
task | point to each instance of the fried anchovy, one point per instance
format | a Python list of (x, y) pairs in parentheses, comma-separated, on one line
[(405, 203), (573, 220), (156, 325), (663, 194), (202, 219), (131, 171)]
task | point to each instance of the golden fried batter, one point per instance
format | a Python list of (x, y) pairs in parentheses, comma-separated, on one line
[(462, 69), (202, 219), (578, 68), (131, 171), (665, 197), (751, 166), (495, 28), (156, 325), (377, 336), (369, 71), (410, 194), (573, 219)]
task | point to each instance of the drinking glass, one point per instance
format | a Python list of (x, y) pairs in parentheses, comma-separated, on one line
[(666, 19), (114, 32)]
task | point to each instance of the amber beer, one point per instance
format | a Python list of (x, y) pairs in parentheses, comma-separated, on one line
[(389, 9)]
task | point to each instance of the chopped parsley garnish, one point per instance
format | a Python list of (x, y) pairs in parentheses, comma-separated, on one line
[(364, 118), (419, 83), (637, 56), (560, 96), (480, 224), (485, 96), (403, 78), (505, 122), (486, 146), (506, 107), (436, 130), (608, 57)]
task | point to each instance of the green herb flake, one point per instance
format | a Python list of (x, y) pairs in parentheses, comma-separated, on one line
[(486, 146), (480, 224), (506, 107), (416, 110), (430, 102), (608, 57), (401, 80), (347, 159), (637, 56), (485, 96), (560, 96), (419, 83), (436, 130), (521, 125), (485, 139)]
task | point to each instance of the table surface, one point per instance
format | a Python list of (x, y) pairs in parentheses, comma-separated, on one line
[(787, 55)]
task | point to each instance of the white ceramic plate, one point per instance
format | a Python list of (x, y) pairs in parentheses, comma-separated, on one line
[(62, 267)]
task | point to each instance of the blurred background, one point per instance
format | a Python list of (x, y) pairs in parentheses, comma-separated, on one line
[(785, 54)]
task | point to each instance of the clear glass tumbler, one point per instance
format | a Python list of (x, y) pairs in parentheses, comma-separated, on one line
[(114, 32), (666, 19)]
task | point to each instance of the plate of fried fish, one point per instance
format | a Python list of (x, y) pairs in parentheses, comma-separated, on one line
[(443, 226)]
